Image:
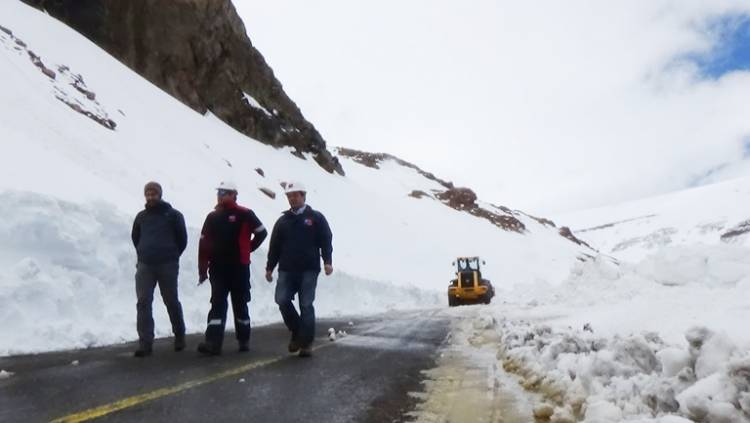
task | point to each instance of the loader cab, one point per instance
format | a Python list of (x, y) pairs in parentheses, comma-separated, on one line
[(468, 269)]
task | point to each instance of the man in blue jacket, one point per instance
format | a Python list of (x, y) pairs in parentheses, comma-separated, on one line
[(299, 239), (160, 237)]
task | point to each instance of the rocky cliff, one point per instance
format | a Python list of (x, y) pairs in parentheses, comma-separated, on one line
[(199, 52)]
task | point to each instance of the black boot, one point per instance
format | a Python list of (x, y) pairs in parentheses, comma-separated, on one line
[(305, 351), (293, 346), (244, 346), (208, 349), (144, 350), (179, 342)]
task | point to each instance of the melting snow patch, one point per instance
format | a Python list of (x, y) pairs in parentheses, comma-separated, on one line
[(5, 374)]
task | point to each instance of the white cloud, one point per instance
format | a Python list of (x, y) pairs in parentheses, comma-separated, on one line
[(546, 107)]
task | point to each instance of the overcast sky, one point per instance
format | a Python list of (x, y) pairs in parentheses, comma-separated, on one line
[(544, 106)]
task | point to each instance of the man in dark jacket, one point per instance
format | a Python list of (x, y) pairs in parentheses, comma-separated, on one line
[(298, 240), (230, 233), (159, 236)]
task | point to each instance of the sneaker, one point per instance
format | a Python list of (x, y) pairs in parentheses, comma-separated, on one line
[(244, 347), (208, 349), (179, 342), (293, 346), (144, 350), (305, 351)]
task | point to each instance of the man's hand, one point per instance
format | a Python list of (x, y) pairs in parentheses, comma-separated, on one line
[(202, 278), (269, 275), (328, 269)]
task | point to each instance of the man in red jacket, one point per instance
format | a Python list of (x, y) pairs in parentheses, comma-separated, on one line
[(230, 233)]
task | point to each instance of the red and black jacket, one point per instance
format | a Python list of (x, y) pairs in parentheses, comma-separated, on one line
[(230, 233)]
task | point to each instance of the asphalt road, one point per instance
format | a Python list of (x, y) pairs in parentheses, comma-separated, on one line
[(365, 376)]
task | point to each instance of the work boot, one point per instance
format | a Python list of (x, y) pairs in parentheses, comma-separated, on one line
[(144, 350), (244, 346), (305, 351), (179, 342), (208, 349), (293, 346)]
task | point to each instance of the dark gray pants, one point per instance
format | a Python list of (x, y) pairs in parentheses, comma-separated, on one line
[(146, 278)]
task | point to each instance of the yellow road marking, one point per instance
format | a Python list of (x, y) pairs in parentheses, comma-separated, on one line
[(129, 402)]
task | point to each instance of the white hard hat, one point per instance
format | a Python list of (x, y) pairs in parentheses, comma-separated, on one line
[(294, 187), (227, 185)]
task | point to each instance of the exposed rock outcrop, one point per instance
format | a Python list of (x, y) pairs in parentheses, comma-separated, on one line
[(268, 192), (460, 198), (740, 229), (67, 87), (567, 233), (373, 160), (199, 52), (464, 199)]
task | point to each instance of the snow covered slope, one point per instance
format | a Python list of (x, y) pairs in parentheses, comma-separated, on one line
[(711, 214), (81, 134)]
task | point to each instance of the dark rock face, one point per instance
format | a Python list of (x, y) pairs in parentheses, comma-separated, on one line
[(459, 198), (464, 199), (197, 51), (740, 229), (565, 232)]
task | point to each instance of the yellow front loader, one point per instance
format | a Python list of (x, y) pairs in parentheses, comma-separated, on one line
[(469, 287)]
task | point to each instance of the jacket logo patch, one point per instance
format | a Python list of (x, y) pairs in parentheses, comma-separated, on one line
[(232, 218), (308, 222)]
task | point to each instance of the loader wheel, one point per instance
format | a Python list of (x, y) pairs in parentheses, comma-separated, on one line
[(452, 301)]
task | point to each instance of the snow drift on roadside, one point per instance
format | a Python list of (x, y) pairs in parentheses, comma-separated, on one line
[(667, 292), (69, 280), (664, 338)]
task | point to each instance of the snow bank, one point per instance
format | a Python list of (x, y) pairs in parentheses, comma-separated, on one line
[(664, 339), (631, 378), (69, 280), (667, 292)]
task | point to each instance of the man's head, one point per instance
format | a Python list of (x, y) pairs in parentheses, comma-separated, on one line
[(296, 193), (226, 193), (152, 191)]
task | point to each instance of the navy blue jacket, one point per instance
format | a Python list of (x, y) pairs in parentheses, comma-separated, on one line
[(299, 241), (159, 234)]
